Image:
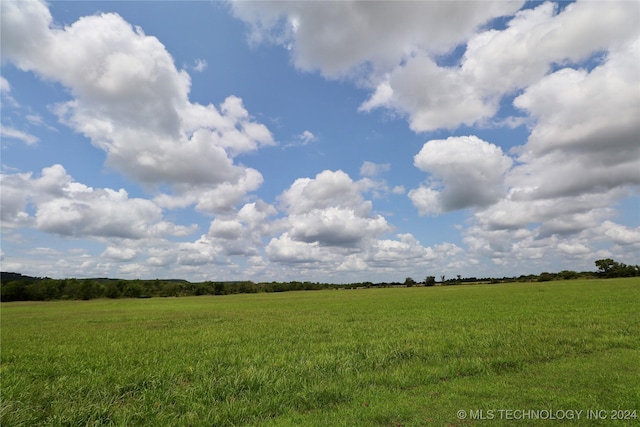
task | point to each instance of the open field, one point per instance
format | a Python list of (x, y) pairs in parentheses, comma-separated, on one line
[(388, 357)]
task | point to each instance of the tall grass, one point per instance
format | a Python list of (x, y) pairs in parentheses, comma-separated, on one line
[(412, 356)]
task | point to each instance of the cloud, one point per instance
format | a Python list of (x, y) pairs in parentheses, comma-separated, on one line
[(306, 137), (547, 231), (580, 159), (5, 87), (514, 214), (131, 101), (405, 250), (585, 139), (581, 156), (242, 232), (200, 65), (9, 132), (497, 63), (371, 169), (5, 93), (535, 39), (327, 220), (573, 249), (200, 252), (620, 234), (329, 210), (398, 189), (119, 254), (158, 256), (379, 260), (426, 200), (225, 229), (13, 200), (455, 100), (327, 189), (466, 172), (527, 250), (220, 199), (284, 249), (329, 226), (338, 38), (407, 255), (37, 120), (382, 96), (403, 64), (68, 208), (335, 226), (572, 72)]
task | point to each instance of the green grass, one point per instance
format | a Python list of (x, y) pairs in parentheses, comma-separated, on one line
[(387, 357)]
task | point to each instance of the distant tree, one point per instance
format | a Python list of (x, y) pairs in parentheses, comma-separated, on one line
[(14, 291), (88, 290), (249, 287), (133, 290), (610, 268), (430, 281), (545, 277), (219, 289), (606, 266), (43, 290), (111, 290), (408, 282), (169, 289), (442, 278), (568, 274)]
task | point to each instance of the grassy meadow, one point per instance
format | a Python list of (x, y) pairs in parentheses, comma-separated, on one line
[(370, 357)]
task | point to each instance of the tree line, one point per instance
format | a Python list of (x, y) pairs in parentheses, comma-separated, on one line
[(16, 287)]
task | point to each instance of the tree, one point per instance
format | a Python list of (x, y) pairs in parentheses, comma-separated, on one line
[(87, 290), (430, 281), (408, 282), (14, 291), (43, 290), (610, 268), (545, 277), (111, 290), (442, 278), (133, 290), (568, 274), (219, 289), (170, 289), (606, 266)]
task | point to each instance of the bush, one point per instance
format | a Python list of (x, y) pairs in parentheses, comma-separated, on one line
[(132, 290), (545, 277)]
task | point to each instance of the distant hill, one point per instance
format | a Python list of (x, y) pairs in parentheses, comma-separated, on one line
[(107, 279), (10, 277)]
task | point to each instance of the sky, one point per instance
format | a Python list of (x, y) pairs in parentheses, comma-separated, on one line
[(318, 141)]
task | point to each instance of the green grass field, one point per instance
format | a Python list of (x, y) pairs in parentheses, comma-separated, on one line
[(387, 357)]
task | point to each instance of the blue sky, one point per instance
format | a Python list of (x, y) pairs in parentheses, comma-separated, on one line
[(340, 141)]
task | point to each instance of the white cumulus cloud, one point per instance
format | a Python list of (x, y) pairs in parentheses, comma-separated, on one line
[(69, 208), (466, 172), (132, 102), (337, 38), (330, 210)]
